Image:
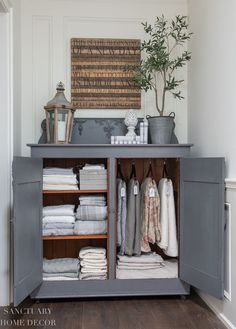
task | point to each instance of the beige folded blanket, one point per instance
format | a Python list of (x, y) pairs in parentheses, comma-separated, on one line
[(138, 267), (143, 259), (92, 253), (91, 276), (139, 264), (93, 264), (170, 270), (100, 262), (93, 270)]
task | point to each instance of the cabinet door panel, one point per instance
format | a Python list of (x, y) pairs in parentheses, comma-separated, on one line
[(202, 223), (27, 226)]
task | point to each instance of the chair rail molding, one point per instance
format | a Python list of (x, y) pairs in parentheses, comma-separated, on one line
[(230, 183)]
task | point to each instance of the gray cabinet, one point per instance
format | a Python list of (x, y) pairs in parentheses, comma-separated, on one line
[(26, 226), (201, 222)]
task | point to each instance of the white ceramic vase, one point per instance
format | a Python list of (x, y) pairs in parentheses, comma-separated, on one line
[(131, 121)]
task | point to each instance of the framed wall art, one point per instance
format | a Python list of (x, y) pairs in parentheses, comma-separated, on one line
[(98, 78)]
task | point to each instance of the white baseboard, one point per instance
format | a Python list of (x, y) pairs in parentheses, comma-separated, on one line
[(226, 321), (219, 315)]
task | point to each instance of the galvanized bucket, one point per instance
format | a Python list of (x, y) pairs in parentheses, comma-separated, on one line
[(161, 128)]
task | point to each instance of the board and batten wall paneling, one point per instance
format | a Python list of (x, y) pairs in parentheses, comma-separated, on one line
[(6, 142), (47, 27), (42, 66), (17, 115)]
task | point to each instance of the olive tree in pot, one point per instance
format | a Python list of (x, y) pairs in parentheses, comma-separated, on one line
[(157, 70)]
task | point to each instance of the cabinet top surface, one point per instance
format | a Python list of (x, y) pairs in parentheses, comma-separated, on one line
[(111, 145), (109, 150)]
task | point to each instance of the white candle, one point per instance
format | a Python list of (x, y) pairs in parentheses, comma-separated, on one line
[(145, 132), (141, 133), (61, 130)]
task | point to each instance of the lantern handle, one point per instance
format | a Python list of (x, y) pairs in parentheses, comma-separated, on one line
[(60, 86)]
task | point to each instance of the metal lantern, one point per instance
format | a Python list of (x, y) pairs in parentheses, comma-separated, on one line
[(59, 118)]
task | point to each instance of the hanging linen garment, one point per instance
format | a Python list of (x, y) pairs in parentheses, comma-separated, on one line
[(150, 214), (121, 214), (168, 242), (133, 229)]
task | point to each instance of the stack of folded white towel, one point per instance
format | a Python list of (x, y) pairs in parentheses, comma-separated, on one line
[(59, 179), (93, 177), (147, 266), (93, 263), (91, 215), (61, 269), (58, 220)]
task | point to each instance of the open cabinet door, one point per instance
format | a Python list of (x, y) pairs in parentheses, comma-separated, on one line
[(202, 223), (27, 226)]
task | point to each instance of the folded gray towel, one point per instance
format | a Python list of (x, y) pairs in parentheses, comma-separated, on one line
[(55, 275), (61, 265)]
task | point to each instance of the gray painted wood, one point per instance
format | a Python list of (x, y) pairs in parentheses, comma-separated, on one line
[(202, 224), (97, 130), (26, 226), (112, 229), (110, 151), (110, 288)]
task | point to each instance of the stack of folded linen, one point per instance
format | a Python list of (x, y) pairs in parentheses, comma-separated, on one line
[(91, 215), (148, 266), (93, 263), (92, 200), (61, 269), (58, 220), (93, 177), (59, 179)]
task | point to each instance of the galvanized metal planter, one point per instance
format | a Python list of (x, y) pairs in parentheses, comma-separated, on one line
[(161, 128)]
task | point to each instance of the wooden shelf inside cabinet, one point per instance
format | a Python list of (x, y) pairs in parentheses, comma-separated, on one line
[(74, 191), (75, 237)]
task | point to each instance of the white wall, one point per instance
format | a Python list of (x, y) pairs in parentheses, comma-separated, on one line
[(6, 153), (46, 29), (211, 105), (211, 87), (17, 120)]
